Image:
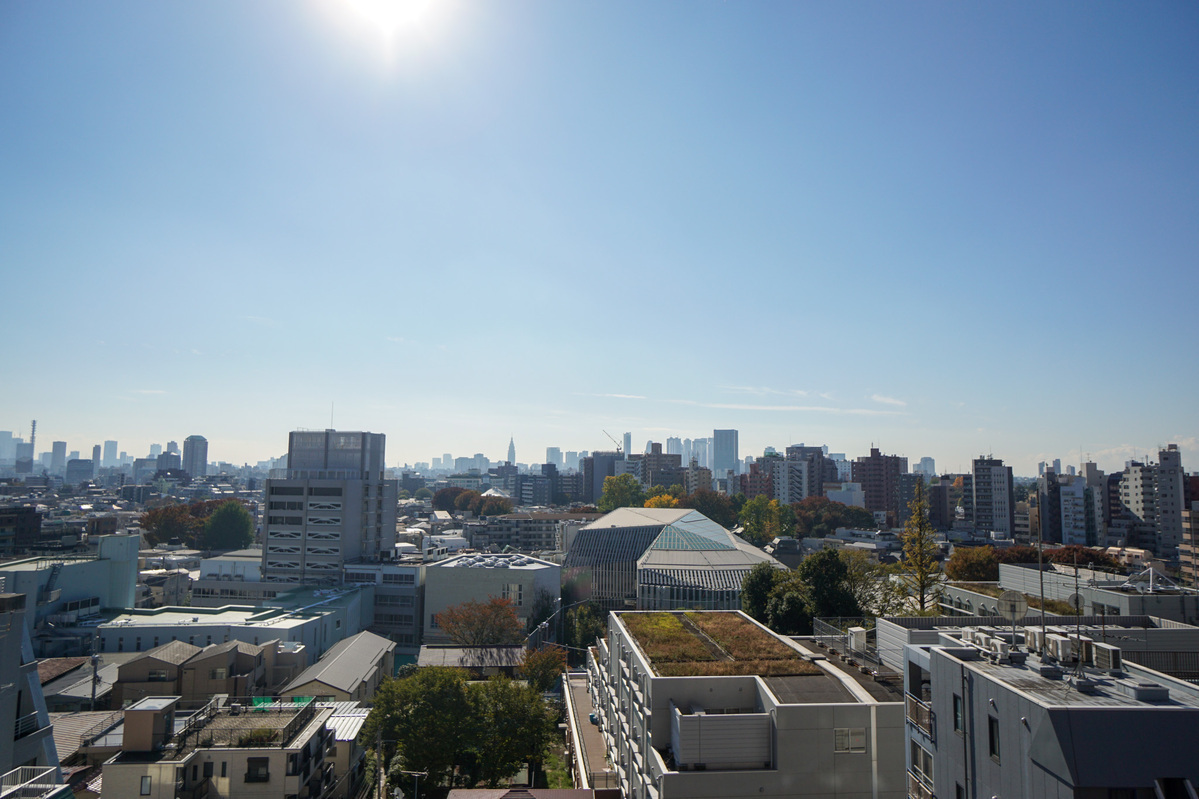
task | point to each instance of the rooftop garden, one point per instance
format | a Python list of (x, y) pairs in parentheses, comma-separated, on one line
[(1055, 606), (711, 644)]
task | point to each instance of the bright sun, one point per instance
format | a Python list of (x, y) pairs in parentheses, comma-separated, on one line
[(390, 17)]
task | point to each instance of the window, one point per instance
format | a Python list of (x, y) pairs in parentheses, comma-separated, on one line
[(849, 739), (258, 769), (156, 675), (208, 769), (145, 790), (993, 737), (224, 768), (218, 674), (959, 714)]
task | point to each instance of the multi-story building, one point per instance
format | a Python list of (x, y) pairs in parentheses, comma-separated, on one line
[(1000, 714), (223, 748), (725, 458), (195, 456), (528, 532), (399, 598), (58, 457), (696, 477), (523, 580), (1147, 511), (110, 454), (596, 467), (20, 527), (790, 479), (992, 497), (350, 671), (332, 505), (765, 718), (26, 737), (878, 474), (661, 469)]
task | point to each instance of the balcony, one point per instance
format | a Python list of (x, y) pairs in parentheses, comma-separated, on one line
[(919, 786), (921, 715), (25, 725)]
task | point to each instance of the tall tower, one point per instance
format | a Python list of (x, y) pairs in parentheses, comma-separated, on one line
[(511, 451), (725, 457), (195, 456)]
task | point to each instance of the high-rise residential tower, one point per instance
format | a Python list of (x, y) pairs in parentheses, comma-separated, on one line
[(993, 500), (330, 506), (58, 457), (195, 456), (724, 453), (110, 454)]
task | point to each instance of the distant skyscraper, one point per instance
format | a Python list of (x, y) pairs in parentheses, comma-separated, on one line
[(512, 450), (58, 457), (155, 450), (110, 454), (96, 458), (1057, 465), (926, 467), (725, 456), (674, 446), (8, 446), (628, 444), (172, 446), (993, 499), (553, 455), (195, 456)]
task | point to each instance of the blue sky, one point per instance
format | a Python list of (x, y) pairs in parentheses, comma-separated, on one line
[(944, 229)]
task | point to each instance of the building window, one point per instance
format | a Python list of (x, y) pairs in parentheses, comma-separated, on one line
[(218, 674), (156, 675), (849, 739), (258, 769), (145, 790), (959, 714), (224, 768), (993, 737)]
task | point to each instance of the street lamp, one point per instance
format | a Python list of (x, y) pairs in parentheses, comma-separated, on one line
[(416, 775)]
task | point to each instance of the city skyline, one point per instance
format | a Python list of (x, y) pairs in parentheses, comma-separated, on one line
[(940, 230)]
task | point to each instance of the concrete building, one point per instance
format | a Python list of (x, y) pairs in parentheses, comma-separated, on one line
[(233, 578), (399, 587), (1148, 510), (110, 454), (58, 457), (235, 668), (26, 737), (878, 474), (332, 505), (847, 493), (195, 456), (790, 480), (535, 531), (222, 749), (774, 719), (992, 503), (517, 578), (992, 714)]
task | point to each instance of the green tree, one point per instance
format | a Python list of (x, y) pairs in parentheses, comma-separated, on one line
[(423, 493), (543, 607), (819, 517), (432, 718), (756, 589), (491, 506), (584, 624), (621, 491), (514, 727), (169, 521), (872, 584), (717, 507), (921, 567), (490, 623), (973, 565), (789, 612), (826, 577), (229, 527), (467, 500), (765, 519), (542, 668)]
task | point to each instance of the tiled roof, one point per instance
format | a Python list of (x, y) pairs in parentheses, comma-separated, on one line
[(347, 662), (53, 668)]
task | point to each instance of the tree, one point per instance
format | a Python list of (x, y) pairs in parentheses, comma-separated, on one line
[(542, 668), (432, 718), (662, 501), (973, 565), (717, 507), (167, 522), (514, 727), (788, 612), (765, 519), (423, 493), (584, 624), (491, 506), (819, 517), (871, 583), (621, 491), (921, 569), (229, 527), (490, 623), (1077, 554), (825, 575), (756, 589), (444, 498), (543, 607), (466, 500), (1016, 554)]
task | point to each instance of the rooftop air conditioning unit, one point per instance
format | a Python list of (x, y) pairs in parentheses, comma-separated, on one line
[(1107, 657), (1082, 648), (1001, 647), (1061, 648), (1032, 640)]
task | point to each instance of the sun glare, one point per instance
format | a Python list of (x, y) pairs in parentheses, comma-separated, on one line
[(391, 17)]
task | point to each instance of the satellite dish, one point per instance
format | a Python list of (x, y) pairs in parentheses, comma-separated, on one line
[(1012, 606), (1075, 601)]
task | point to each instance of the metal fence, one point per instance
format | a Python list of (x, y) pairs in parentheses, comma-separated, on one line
[(834, 633)]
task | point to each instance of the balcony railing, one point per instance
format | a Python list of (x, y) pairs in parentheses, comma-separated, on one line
[(918, 787), (28, 782), (921, 715), (26, 725)]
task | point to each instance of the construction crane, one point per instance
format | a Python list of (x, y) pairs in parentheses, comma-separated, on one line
[(614, 441)]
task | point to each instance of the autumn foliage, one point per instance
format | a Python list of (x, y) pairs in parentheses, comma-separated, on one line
[(490, 623)]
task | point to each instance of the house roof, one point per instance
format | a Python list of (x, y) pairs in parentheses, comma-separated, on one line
[(347, 663), (176, 652), (346, 727), (53, 668), (641, 517), (471, 657)]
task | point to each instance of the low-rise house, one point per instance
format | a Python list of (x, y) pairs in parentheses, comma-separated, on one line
[(481, 661), (349, 672)]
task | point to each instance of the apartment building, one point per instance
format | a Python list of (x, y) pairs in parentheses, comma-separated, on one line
[(756, 715), (1002, 714), (520, 579)]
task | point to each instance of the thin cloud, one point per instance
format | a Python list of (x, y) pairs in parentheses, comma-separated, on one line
[(888, 400), (767, 391), (148, 391), (614, 396)]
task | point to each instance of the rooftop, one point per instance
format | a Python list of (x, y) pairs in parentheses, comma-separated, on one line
[(681, 644), (641, 517), (347, 662), (501, 561)]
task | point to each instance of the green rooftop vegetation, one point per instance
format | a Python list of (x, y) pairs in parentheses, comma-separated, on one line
[(712, 644), (1055, 606)]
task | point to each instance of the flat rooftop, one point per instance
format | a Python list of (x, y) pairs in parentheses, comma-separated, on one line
[(713, 643), (1071, 686)]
